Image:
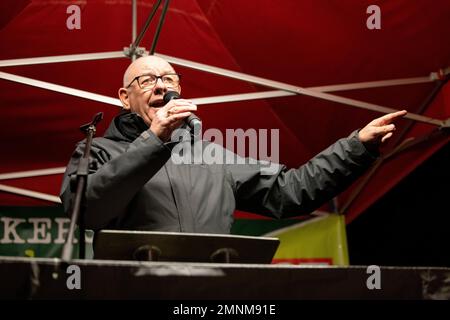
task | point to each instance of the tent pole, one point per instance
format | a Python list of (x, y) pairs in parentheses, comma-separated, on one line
[(373, 84), (283, 86), (406, 144), (133, 24), (297, 90), (399, 143), (63, 58), (159, 27), (116, 102), (32, 173), (241, 97), (61, 89), (120, 54), (134, 50), (133, 20), (428, 100), (328, 88), (29, 193)]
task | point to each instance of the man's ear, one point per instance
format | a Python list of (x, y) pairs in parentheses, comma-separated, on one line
[(124, 98), (179, 89)]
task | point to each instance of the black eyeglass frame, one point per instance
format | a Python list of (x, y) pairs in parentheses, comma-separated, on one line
[(157, 78)]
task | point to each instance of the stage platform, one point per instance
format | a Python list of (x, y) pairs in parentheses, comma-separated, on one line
[(43, 278)]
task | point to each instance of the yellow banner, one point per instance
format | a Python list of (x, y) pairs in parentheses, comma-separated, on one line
[(321, 240)]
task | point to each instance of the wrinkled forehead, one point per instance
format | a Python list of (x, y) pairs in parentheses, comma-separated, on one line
[(152, 65), (144, 65)]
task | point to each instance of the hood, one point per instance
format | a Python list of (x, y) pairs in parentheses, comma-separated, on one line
[(126, 126)]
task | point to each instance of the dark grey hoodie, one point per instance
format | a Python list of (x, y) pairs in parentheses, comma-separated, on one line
[(133, 183)]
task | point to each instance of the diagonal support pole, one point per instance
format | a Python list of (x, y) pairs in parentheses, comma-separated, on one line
[(296, 89), (291, 89), (32, 173), (29, 193), (61, 89)]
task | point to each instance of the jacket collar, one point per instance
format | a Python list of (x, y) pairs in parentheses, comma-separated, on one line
[(126, 126)]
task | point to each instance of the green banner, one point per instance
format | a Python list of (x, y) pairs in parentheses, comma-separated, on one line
[(36, 232), (41, 232)]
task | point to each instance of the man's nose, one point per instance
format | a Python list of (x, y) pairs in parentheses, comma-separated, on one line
[(160, 87)]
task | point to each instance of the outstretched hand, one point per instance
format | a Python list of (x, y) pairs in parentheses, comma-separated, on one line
[(380, 129)]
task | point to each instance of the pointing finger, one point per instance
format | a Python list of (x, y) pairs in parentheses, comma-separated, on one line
[(390, 117)]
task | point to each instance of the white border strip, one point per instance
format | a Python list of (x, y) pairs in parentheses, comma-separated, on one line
[(313, 92), (32, 173), (328, 88), (242, 97), (231, 236), (295, 89), (371, 84), (64, 58), (61, 89), (120, 54), (29, 193)]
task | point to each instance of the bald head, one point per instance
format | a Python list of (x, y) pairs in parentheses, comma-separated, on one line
[(148, 64), (145, 100)]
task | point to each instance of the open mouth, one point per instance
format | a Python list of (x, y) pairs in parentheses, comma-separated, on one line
[(157, 104)]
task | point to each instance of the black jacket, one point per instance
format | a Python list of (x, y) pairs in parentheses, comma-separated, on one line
[(133, 183)]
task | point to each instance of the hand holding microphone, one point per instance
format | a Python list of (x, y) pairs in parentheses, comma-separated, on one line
[(192, 121), (172, 115)]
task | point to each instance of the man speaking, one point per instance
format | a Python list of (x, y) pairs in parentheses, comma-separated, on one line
[(134, 185)]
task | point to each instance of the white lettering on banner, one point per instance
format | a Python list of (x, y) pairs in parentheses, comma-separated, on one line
[(62, 230), (40, 227), (10, 229), (374, 281), (74, 20), (374, 20)]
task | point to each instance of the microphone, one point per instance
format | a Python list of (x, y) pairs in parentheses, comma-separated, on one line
[(192, 121)]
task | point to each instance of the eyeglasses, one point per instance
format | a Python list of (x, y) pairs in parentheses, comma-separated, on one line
[(147, 81)]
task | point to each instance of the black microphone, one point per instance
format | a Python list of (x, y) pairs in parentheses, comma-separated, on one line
[(192, 121)]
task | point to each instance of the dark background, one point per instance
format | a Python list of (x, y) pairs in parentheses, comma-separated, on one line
[(410, 225)]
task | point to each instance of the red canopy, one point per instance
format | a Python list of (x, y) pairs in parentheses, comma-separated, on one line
[(301, 43)]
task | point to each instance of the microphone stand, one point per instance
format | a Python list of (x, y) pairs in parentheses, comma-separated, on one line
[(80, 180)]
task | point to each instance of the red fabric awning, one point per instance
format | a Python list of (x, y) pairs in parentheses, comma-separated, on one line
[(304, 43)]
